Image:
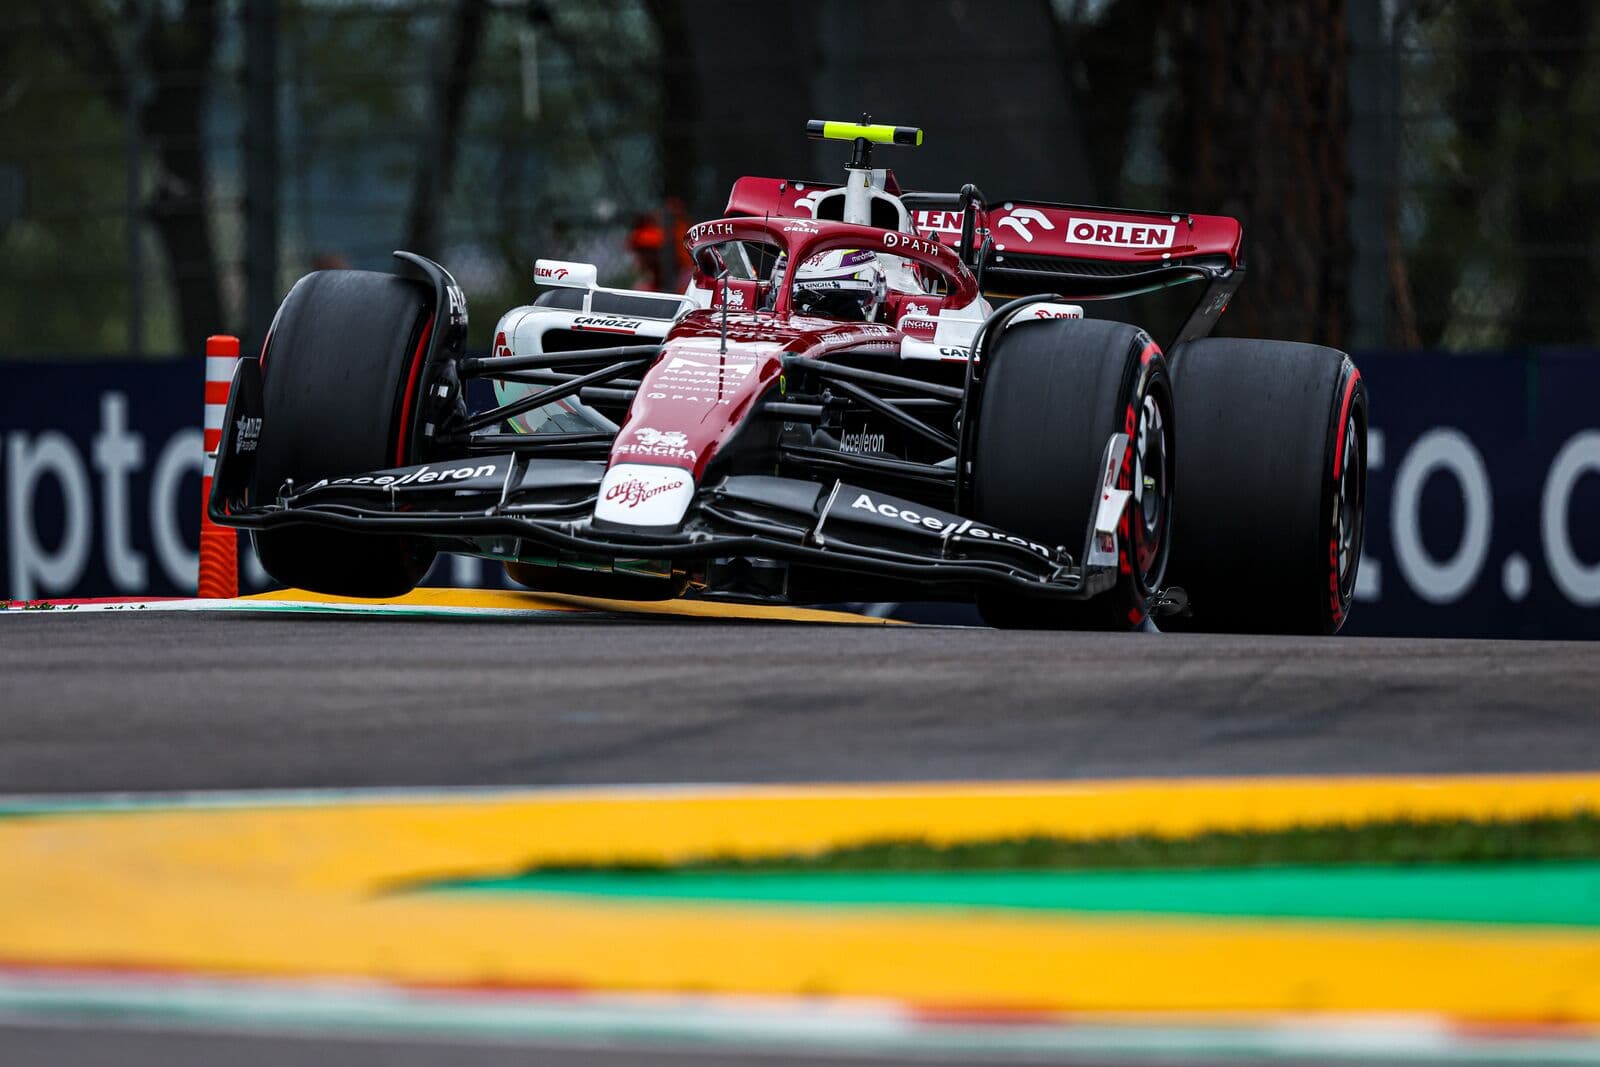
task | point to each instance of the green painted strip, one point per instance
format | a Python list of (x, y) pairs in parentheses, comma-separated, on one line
[(1563, 894)]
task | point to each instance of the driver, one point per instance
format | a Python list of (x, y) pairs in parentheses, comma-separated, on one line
[(846, 283)]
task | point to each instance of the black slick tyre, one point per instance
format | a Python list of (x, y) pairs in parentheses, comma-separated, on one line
[(1055, 391), (1273, 461), (339, 376)]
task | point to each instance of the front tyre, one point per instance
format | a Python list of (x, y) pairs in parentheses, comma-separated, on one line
[(1054, 393), (339, 377)]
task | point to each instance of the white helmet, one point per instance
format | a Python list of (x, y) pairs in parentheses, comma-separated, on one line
[(846, 283)]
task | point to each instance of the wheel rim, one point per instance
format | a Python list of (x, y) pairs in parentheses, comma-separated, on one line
[(1152, 481), (1347, 510)]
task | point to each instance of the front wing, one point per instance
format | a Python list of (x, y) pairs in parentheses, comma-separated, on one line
[(514, 506)]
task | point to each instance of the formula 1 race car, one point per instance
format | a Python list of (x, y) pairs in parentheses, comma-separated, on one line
[(834, 410)]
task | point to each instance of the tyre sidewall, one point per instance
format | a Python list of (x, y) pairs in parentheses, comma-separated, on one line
[(1056, 391), (339, 379)]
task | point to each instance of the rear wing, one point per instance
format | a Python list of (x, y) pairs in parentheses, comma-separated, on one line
[(1085, 252), (1099, 251), (1079, 251)]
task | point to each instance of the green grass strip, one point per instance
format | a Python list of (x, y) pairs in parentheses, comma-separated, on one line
[(1552, 894), (1525, 871)]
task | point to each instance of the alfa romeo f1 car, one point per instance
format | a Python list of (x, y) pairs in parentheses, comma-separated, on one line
[(864, 394)]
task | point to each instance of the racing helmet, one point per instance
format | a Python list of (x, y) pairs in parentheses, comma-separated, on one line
[(846, 283)]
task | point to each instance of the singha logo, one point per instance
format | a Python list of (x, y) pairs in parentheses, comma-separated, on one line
[(660, 444), (661, 438)]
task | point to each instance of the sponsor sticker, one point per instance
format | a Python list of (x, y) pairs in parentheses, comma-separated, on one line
[(951, 526), (1022, 220), (938, 221), (246, 434), (423, 475), (708, 379), (1119, 234), (659, 444), (564, 272), (458, 305), (710, 229), (603, 324), (858, 339), (913, 244), (1053, 311), (637, 494), (863, 440), (710, 367)]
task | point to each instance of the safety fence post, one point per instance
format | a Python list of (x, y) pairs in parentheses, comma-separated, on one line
[(219, 545)]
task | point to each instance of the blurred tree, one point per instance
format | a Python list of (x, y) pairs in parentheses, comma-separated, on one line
[(1507, 254), (679, 98), (1110, 64), (161, 55), (1554, 153), (1257, 127), (61, 227), (441, 140)]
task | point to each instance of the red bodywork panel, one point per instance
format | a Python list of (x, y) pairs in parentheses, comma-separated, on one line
[(1105, 234), (803, 238), (694, 397), (703, 394)]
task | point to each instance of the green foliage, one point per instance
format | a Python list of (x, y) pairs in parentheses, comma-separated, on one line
[(1399, 841), (63, 145)]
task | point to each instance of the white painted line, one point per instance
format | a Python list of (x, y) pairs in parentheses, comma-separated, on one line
[(374, 796), (823, 1026), (305, 606)]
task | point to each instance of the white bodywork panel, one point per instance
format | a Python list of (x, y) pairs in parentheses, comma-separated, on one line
[(524, 329)]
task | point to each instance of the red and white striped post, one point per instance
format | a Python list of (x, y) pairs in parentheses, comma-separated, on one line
[(219, 545)]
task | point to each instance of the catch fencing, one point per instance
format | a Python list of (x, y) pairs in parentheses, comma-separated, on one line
[(1410, 174)]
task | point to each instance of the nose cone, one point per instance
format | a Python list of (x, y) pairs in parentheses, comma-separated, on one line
[(639, 494)]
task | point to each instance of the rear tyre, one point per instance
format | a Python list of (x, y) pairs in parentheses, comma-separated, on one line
[(339, 372), (1273, 446), (1055, 392)]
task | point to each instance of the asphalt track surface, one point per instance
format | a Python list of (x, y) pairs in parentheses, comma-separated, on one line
[(131, 702), (111, 1046), (220, 701)]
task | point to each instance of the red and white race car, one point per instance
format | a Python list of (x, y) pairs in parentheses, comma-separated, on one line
[(865, 393)]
